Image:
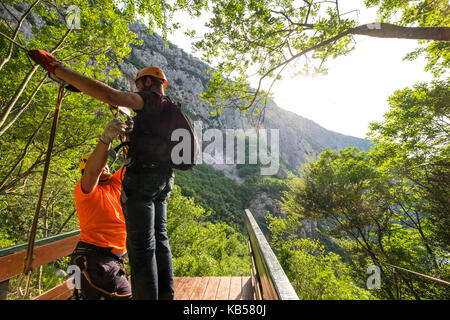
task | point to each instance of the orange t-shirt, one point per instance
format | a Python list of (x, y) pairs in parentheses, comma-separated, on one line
[(100, 215)]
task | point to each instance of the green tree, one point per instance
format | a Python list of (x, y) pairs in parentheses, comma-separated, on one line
[(314, 273), (412, 143), (373, 213), (263, 38), (200, 247)]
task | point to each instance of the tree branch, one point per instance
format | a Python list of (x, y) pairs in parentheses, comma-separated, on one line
[(321, 44), (25, 151), (387, 30), (381, 30), (27, 79), (23, 107), (16, 32)]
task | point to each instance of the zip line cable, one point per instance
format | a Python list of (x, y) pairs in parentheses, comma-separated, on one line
[(14, 42), (417, 273)]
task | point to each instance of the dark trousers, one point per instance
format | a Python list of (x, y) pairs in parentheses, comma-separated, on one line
[(144, 206), (104, 271)]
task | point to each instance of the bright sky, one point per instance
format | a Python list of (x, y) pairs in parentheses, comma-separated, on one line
[(356, 88)]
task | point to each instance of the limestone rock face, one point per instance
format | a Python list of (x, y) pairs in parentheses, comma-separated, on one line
[(187, 77)]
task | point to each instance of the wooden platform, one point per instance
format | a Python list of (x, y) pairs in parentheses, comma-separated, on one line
[(186, 288), (213, 288)]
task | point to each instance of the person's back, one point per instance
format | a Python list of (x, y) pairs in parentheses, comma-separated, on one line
[(146, 186)]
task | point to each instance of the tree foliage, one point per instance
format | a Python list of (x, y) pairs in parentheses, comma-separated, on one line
[(389, 205), (314, 273), (200, 247), (267, 38), (413, 143)]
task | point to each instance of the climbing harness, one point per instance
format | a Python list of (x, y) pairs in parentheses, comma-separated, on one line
[(79, 258)]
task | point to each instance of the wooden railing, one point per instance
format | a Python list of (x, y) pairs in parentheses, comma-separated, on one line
[(45, 251), (270, 280)]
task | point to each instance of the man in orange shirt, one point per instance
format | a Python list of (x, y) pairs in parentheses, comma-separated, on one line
[(102, 224)]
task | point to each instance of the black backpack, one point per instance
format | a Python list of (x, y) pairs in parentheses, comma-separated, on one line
[(150, 140)]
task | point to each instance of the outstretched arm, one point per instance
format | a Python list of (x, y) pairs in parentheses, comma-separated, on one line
[(99, 90), (91, 87)]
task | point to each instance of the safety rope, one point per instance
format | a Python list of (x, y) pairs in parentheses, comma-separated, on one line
[(28, 263)]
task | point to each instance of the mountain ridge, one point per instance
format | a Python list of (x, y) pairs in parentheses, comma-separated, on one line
[(299, 136)]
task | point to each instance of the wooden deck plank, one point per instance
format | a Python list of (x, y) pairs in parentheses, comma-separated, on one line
[(60, 292), (184, 289), (200, 288), (247, 289), (235, 289), (224, 288), (176, 283), (211, 289)]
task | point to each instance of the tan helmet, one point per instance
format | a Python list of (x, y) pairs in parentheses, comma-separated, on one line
[(83, 160), (152, 71)]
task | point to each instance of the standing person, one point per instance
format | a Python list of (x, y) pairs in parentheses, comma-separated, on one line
[(146, 186), (148, 179), (102, 243)]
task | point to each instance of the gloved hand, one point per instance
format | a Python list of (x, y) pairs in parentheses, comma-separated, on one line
[(130, 124), (45, 59), (113, 129)]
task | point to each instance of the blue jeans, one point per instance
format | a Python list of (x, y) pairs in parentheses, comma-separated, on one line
[(144, 206)]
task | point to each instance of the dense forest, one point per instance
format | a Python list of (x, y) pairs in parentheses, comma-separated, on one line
[(388, 206)]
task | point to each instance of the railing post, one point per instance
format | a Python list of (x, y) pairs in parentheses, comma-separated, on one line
[(4, 289)]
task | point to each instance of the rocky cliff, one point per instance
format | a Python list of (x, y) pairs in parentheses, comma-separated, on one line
[(299, 137)]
